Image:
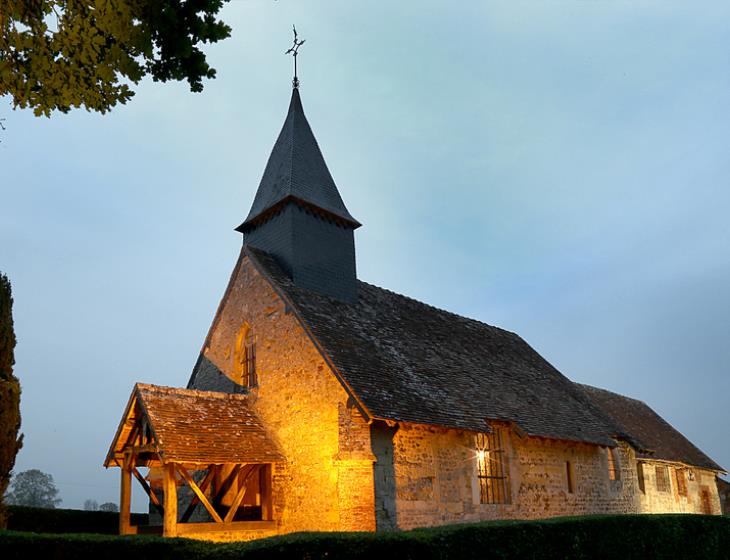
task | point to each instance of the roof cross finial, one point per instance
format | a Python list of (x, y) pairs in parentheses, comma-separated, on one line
[(294, 51)]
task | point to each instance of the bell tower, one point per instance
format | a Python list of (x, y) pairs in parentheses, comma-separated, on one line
[(298, 215)]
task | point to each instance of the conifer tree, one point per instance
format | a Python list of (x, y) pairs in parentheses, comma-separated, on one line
[(10, 442)]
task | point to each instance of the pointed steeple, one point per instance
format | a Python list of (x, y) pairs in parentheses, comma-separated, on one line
[(298, 215), (296, 172)]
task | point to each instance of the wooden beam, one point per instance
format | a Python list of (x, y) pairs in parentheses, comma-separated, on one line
[(266, 492), (125, 496), (149, 448), (195, 501), (169, 523), (153, 497), (203, 500), (240, 494), (226, 485)]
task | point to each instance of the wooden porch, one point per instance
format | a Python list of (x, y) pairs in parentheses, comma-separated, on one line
[(234, 486)]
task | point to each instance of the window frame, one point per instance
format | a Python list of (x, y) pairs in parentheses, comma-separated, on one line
[(249, 367), (666, 485), (245, 357), (640, 476), (614, 469), (570, 474), (681, 481), (492, 468)]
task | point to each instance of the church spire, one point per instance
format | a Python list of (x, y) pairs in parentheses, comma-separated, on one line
[(296, 172), (298, 215)]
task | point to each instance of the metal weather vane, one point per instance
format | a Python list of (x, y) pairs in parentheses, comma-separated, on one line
[(294, 51)]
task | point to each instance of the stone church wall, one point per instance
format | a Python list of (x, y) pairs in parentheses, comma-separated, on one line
[(326, 482), (701, 495), (434, 478), (342, 473)]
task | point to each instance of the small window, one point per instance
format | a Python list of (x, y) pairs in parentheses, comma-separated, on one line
[(681, 482), (613, 471), (662, 479), (492, 469), (245, 356), (640, 476), (570, 473), (249, 370)]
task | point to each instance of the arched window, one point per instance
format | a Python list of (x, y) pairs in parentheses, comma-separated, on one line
[(245, 356)]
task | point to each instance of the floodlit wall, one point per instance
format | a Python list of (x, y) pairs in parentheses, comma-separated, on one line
[(326, 482)]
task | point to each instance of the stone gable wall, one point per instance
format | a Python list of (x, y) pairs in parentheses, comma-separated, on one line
[(326, 482)]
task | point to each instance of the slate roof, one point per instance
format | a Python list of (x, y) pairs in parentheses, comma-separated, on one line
[(658, 438), (192, 426), (407, 361), (296, 172)]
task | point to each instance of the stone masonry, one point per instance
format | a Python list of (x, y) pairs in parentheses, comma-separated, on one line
[(326, 483), (343, 473)]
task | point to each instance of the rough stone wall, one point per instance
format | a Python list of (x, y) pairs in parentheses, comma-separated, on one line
[(435, 478), (326, 482), (670, 501)]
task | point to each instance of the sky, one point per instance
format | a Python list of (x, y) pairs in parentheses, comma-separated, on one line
[(559, 169)]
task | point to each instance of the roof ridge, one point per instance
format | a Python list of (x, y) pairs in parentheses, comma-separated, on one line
[(182, 391), (594, 388), (439, 309)]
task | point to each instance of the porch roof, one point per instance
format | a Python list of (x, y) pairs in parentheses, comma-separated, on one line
[(194, 427)]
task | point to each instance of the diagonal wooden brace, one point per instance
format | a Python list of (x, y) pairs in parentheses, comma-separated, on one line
[(241, 493), (226, 485), (195, 501), (153, 497), (203, 500)]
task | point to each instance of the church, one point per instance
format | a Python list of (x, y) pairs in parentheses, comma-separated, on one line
[(323, 403)]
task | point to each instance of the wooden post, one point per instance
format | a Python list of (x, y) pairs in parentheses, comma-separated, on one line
[(169, 523), (266, 492), (125, 496)]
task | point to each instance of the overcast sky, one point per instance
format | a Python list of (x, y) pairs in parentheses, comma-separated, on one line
[(558, 169)]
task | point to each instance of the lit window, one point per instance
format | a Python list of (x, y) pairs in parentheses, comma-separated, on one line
[(640, 476), (662, 478), (492, 468), (613, 472)]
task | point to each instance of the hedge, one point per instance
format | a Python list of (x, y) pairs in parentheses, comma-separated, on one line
[(645, 537), (45, 520)]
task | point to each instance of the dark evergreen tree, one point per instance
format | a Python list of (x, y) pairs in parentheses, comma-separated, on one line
[(10, 442)]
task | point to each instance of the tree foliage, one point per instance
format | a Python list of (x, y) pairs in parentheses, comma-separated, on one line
[(60, 54), (108, 506), (91, 505), (10, 442), (33, 488)]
